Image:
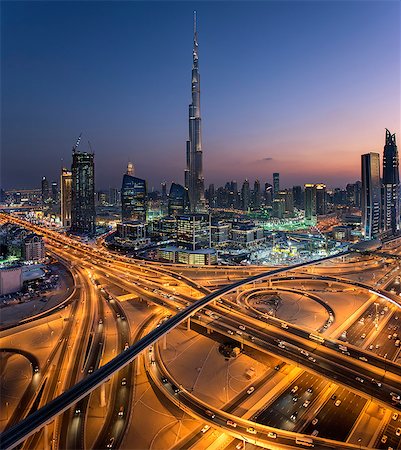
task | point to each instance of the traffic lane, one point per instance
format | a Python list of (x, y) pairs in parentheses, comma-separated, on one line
[(387, 339), (336, 422), (390, 432), (342, 373), (278, 414)]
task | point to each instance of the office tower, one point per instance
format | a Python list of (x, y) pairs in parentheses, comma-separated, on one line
[(371, 198), (113, 196), (211, 196), (164, 191), (194, 180), (268, 196), (287, 196), (321, 201), (358, 194), (245, 195), (193, 231), (54, 191), (133, 197), (310, 203), (178, 200), (297, 196), (278, 208), (66, 197), (391, 186), (45, 190), (256, 195), (83, 215), (130, 169), (276, 184)]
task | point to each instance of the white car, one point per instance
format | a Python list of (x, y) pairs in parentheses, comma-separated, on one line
[(337, 403), (205, 428), (250, 390)]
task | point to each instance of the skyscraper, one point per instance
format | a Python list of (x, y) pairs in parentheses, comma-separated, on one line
[(133, 197), (310, 203), (371, 199), (45, 190), (321, 199), (83, 215), (391, 186), (245, 195), (276, 184), (178, 201), (66, 197), (194, 181)]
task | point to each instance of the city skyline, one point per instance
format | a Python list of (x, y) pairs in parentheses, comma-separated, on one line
[(289, 150)]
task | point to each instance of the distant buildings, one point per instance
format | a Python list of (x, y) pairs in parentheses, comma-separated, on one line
[(21, 244), (310, 203), (45, 191), (33, 248), (371, 197), (321, 200), (193, 231), (66, 197), (83, 215), (133, 197)]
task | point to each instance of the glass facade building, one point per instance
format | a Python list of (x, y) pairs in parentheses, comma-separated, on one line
[(371, 198), (83, 216), (178, 201), (133, 199)]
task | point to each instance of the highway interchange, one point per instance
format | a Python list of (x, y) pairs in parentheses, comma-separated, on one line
[(96, 343)]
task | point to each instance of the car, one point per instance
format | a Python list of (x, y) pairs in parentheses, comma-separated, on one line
[(175, 389), (362, 358), (371, 347), (239, 332), (294, 416), (231, 423), (281, 345), (126, 346), (306, 403), (110, 443), (310, 390), (241, 327), (211, 414), (205, 428), (359, 379), (294, 389), (395, 416), (277, 367), (295, 398), (251, 430), (284, 325), (337, 402), (315, 421), (123, 382), (315, 432), (164, 380), (230, 332), (398, 431), (383, 440), (239, 446), (121, 411), (334, 396), (363, 335), (272, 435), (250, 390), (36, 368), (100, 321), (90, 370), (304, 352), (311, 358), (77, 411), (390, 336)]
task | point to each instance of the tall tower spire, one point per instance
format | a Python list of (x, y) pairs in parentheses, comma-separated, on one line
[(194, 181)]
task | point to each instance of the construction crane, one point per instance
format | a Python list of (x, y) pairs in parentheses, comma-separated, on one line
[(74, 149)]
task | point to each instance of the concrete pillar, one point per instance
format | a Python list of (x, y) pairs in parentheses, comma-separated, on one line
[(165, 342), (102, 402), (189, 324), (46, 438)]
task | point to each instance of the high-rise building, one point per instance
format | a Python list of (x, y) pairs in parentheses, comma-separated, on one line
[(321, 208), (54, 193), (45, 190), (66, 197), (268, 196), (276, 184), (194, 180), (245, 195), (114, 197), (256, 195), (83, 215), (297, 196), (193, 231), (133, 197), (371, 199), (391, 186), (178, 200), (310, 203), (278, 208)]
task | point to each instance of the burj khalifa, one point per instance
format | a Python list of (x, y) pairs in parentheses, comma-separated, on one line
[(194, 180)]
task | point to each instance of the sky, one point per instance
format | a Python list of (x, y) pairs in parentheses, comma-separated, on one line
[(302, 88)]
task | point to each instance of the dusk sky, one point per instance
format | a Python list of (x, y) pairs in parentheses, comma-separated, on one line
[(298, 87)]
